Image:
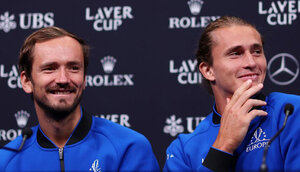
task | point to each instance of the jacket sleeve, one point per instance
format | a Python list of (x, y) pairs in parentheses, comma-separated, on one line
[(176, 160), (139, 157), (218, 160), (179, 160)]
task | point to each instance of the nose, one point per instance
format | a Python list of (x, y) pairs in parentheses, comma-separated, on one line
[(62, 77), (249, 61)]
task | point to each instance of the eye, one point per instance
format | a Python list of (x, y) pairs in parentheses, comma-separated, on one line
[(257, 51), (235, 53), (48, 69), (74, 68)]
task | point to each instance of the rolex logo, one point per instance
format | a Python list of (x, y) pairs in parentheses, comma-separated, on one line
[(108, 64), (195, 6), (22, 118)]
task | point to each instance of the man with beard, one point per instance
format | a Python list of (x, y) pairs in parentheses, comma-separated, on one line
[(232, 138), (53, 65)]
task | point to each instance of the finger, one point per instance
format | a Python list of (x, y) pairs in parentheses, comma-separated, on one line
[(227, 100), (246, 85), (247, 94), (250, 103), (255, 112)]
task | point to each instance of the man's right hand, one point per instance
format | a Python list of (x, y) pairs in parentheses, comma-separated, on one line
[(237, 116)]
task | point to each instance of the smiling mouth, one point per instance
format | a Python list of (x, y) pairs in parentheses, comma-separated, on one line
[(61, 92), (249, 76)]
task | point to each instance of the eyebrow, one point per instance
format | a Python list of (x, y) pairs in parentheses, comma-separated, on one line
[(55, 63), (74, 63), (255, 45), (47, 64), (233, 49)]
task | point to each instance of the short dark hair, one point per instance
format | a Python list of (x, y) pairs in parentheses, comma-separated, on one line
[(42, 35), (204, 50)]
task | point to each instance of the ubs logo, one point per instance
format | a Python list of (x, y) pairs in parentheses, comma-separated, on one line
[(283, 69), (26, 21), (175, 125)]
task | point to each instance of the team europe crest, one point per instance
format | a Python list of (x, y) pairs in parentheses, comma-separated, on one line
[(258, 140)]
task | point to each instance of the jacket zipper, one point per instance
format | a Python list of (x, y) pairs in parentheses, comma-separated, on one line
[(61, 159)]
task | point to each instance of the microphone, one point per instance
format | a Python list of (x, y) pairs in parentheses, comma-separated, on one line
[(288, 110), (26, 133)]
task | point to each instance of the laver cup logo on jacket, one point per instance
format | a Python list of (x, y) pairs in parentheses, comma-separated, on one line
[(95, 166), (258, 140)]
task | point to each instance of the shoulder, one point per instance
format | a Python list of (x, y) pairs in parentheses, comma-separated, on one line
[(8, 155), (198, 137), (115, 132), (188, 150), (282, 98), (112, 129), (201, 131), (276, 101)]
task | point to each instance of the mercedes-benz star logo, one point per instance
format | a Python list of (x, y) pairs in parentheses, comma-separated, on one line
[(283, 69)]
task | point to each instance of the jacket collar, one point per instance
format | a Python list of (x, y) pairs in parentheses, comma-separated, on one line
[(81, 130), (217, 117)]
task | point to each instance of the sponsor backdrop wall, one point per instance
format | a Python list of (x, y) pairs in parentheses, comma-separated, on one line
[(142, 71)]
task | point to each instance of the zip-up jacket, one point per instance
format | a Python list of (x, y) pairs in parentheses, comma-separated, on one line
[(194, 152), (95, 145)]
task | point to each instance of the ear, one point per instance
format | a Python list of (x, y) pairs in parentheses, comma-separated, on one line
[(207, 71), (26, 83)]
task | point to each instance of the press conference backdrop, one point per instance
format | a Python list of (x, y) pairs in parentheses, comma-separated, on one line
[(142, 72)]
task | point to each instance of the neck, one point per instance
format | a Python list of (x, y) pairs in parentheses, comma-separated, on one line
[(220, 99), (58, 131)]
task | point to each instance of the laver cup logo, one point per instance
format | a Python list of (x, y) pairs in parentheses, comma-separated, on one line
[(186, 71), (11, 74), (108, 18), (279, 12), (122, 119)]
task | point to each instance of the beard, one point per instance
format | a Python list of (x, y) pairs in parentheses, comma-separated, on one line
[(56, 113)]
